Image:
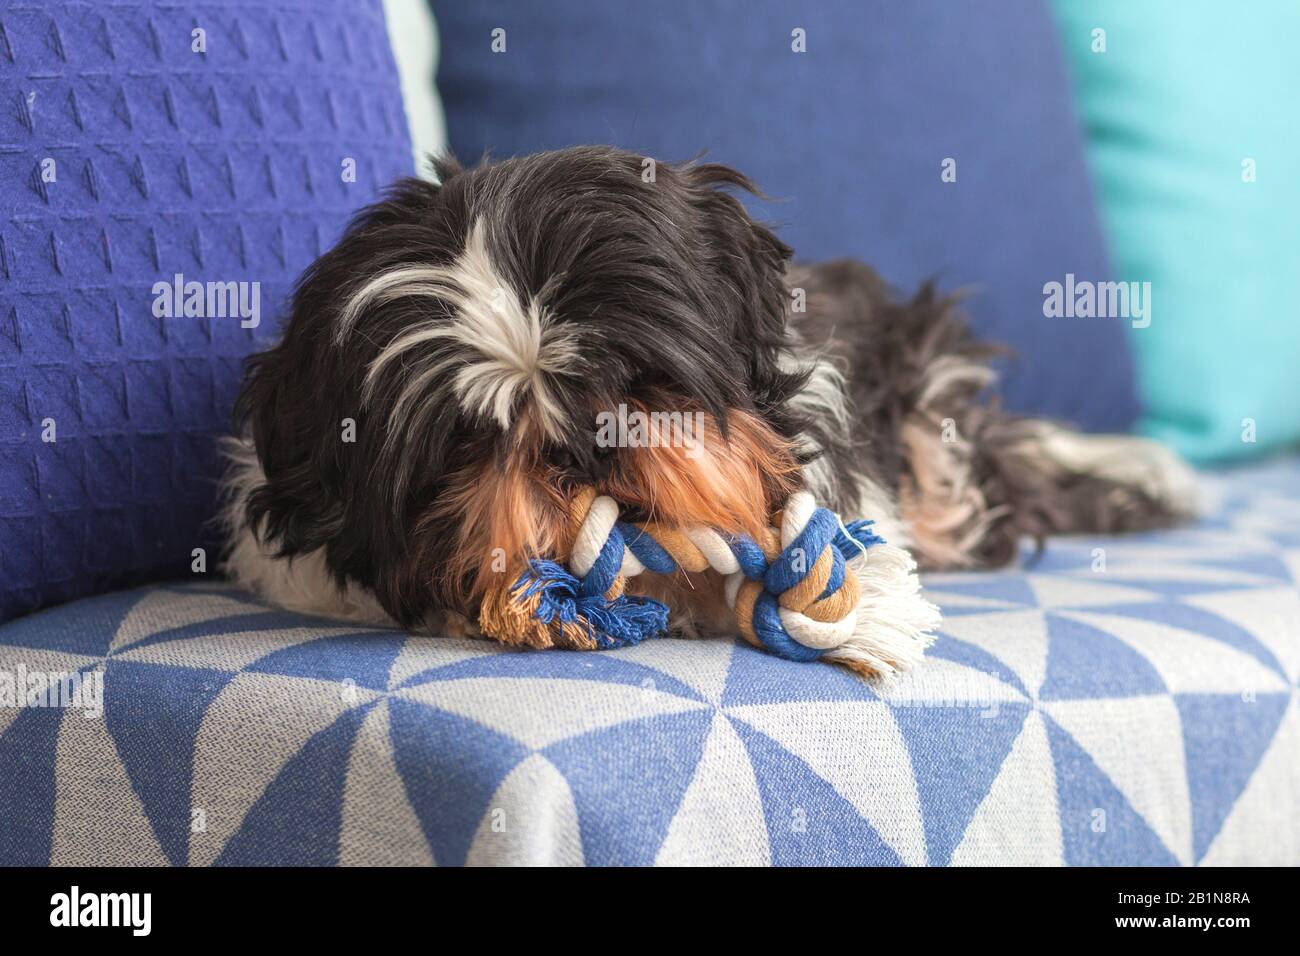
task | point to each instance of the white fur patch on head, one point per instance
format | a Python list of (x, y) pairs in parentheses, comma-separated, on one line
[(496, 349)]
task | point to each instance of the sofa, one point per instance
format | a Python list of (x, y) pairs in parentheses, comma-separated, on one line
[(1109, 701)]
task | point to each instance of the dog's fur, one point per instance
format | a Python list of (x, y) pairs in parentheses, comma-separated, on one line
[(473, 330)]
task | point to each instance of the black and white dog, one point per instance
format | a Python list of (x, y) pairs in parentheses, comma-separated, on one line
[(421, 425)]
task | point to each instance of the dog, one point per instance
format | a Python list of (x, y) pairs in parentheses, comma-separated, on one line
[(430, 409)]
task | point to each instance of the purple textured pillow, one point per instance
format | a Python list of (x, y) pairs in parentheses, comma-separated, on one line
[(140, 141)]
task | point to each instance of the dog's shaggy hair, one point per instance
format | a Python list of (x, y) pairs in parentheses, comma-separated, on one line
[(473, 330)]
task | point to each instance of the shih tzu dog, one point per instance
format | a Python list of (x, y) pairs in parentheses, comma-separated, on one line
[(432, 403)]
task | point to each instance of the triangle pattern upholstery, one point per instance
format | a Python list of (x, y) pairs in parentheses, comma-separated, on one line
[(1066, 716)]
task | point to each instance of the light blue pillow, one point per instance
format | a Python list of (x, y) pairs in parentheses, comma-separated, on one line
[(1192, 110)]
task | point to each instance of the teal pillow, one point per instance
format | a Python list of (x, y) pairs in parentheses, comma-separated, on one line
[(1194, 137)]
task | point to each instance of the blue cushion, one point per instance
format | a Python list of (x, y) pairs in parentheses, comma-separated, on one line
[(851, 136), (128, 158)]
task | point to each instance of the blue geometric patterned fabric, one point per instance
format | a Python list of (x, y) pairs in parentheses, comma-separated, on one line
[(1121, 701), (134, 149)]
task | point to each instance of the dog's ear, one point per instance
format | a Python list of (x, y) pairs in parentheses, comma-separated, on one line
[(748, 257), (305, 432), (444, 167), (749, 261), (294, 509)]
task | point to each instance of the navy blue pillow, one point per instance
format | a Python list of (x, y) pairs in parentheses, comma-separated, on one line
[(128, 156), (851, 135)]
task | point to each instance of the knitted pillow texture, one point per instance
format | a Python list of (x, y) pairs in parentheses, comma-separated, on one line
[(149, 150)]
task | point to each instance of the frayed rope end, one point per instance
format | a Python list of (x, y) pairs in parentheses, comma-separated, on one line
[(551, 595), (853, 539)]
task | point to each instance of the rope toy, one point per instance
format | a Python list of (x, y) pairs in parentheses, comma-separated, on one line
[(808, 589)]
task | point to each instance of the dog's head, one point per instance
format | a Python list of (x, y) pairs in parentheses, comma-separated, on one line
[(472, 352)]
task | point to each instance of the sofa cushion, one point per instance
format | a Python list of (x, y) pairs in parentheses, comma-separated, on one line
[(851, 136), (139, 141), (1123, 701)]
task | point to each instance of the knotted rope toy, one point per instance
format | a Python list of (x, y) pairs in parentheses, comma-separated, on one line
[(811, 588)]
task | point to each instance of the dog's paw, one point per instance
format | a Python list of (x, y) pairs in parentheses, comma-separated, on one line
[(1146, 467), (452, 624)]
